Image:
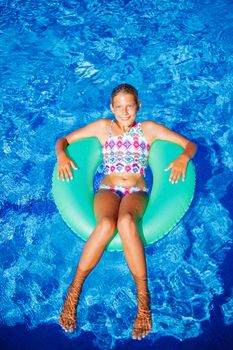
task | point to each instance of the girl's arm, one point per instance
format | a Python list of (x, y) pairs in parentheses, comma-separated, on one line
[(96, 129), (154, 131)]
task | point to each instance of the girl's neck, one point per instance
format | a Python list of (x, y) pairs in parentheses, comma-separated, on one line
[(125, 128)]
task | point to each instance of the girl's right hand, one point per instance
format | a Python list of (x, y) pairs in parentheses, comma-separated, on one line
[(63, 169)]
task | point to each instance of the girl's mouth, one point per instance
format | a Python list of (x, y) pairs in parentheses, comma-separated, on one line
[(125, 118)]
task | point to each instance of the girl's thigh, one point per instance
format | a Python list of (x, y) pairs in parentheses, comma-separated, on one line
[(106, 204), (134, 204)]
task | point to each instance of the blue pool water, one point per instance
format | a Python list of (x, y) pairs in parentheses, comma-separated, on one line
[(59, 61)]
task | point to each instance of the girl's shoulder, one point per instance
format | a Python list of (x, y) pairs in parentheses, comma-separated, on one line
[(101, 124), (103, 129), (150, 129), (106, 121), (149, 125)]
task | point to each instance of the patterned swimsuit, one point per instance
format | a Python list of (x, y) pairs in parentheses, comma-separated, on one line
[(125, 153)]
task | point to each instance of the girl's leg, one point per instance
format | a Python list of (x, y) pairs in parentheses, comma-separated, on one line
[(106, 206), (131, 209)]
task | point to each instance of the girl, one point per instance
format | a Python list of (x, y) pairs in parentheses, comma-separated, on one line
[(122, 196)]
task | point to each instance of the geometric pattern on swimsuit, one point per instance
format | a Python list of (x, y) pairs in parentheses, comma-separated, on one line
[(122, 191), (127, 152)]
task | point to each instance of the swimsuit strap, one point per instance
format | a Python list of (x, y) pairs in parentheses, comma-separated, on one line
[(110, 129)]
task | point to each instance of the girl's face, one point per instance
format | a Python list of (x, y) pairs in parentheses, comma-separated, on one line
[(124, 108)]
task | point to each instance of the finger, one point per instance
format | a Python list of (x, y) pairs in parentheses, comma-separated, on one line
[(66, 174), (62, 175), (177, 178), (173, 176), (73, 165), (169, 166), (70, 175), (183, 175)]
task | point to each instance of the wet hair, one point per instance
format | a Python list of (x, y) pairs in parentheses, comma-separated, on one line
[(128, 89)]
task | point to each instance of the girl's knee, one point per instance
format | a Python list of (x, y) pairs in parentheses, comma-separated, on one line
[(126, 223), (106, 227)]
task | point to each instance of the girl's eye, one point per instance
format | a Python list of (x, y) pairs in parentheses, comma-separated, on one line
[(127, 107)]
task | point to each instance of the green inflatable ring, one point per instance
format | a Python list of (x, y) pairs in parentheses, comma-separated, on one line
[(167, 204)]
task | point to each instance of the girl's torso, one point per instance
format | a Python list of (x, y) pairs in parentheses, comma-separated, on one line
[(125, 156)]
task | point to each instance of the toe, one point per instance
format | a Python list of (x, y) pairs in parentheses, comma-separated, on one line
[(71, 325), (61, 322), (140, 334), (72, 328), (135, 333), (64, 326)]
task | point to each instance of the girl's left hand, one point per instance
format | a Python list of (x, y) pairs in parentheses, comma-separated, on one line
[(178, 166)]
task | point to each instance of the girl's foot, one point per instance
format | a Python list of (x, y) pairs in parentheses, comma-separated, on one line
[(67, 318), (143, 324)]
